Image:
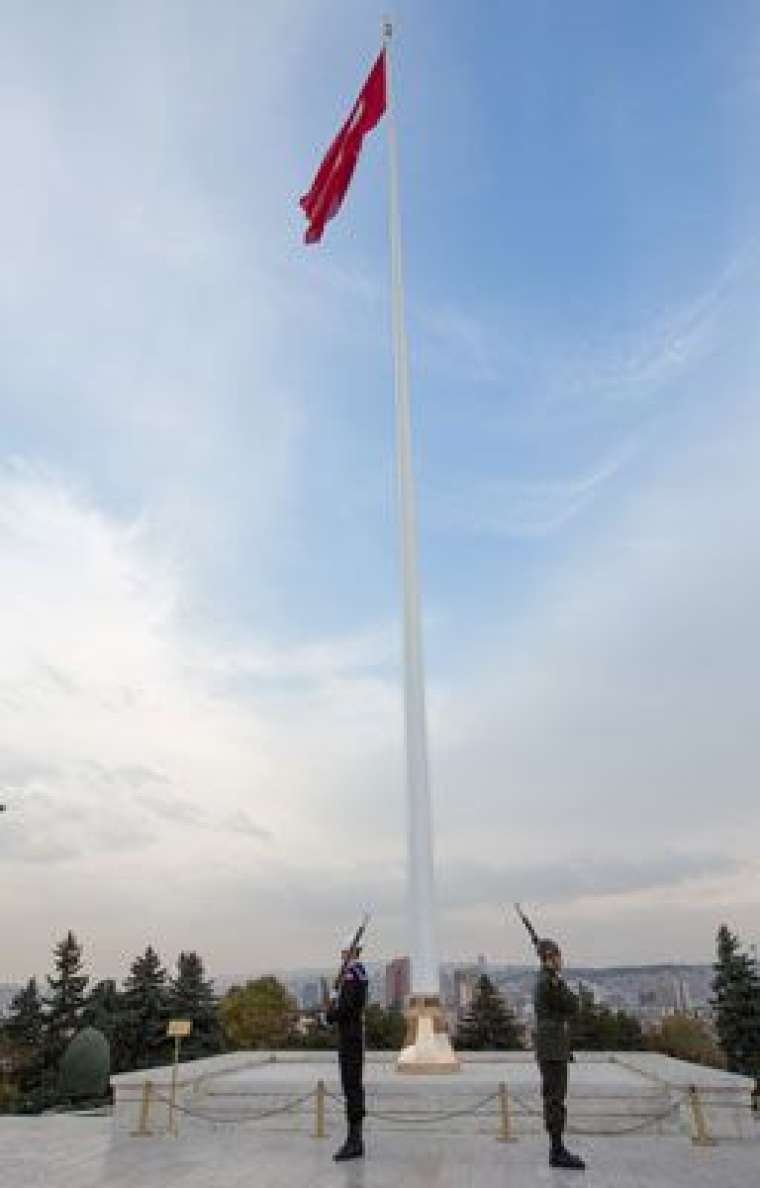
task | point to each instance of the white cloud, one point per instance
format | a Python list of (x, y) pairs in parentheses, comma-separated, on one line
[(126, 746), (606, 739)]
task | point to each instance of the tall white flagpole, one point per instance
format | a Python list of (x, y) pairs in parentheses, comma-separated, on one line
[(425, 975)]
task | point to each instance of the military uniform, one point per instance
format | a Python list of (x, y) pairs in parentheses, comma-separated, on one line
[(555, 1006), (348, 1012)]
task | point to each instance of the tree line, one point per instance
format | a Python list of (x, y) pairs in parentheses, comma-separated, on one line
[(263, 1014), (489, 1024), (133, 1018), (730, 1039)]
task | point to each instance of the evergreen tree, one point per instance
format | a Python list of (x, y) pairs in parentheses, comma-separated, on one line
[(489, 1023), (596, 1028), (736, 1001), (105, 1010), (630, 1036), (191, 996), (585, 1027), (383, 1030), (66, 999), (145, 1012), (103, 1006), (25, 1026), (25, 1033)]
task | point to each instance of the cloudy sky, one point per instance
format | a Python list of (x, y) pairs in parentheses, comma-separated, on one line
[(200, 698)]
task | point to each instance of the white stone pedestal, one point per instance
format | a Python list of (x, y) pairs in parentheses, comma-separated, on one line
[(427, 1047)]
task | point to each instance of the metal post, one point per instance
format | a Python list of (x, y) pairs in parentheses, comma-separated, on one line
[(319, 1111), (505, 1114), (143, 1130), (700, 1136), (173, 1099)]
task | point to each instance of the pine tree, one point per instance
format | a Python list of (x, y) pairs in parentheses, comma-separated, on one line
[(630, 1036), (66, 999), (489, 1023), (191, 996), (736, 1001), (145, 1011), (25, 1031), (102, 1007), (26, 1023), (585, 1029), (105, 1009), (596, 1028), (384, 1030)]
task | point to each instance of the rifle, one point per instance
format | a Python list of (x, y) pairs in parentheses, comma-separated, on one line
[(351, 952), (529, 926)]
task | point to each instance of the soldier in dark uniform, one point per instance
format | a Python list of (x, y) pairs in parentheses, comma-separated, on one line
[(555, 1006), (347, 1010)]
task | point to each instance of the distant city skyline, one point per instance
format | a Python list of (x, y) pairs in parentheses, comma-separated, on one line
[(649, 993)]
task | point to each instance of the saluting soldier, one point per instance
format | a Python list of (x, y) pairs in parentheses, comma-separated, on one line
[(347, 1010), (555, 1006)]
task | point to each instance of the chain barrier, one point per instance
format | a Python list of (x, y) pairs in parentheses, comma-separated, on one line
[(650, 1120), (689, 1095), (422, 1117), (573, 1128), (246, 1066), (288, 1108)]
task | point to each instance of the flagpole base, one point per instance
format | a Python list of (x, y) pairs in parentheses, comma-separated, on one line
[(427, 1047)]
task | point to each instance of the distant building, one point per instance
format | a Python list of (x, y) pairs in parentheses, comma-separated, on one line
[(376, 984), (464, 983), (8, 991), (447, 989), (398, 982), (683, 1004), (310, 997)]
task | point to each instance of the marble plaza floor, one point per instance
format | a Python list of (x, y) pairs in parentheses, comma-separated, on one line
[(82, 1152), (250, 1119)]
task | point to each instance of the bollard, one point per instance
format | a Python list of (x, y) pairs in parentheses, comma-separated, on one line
[(754, 1098), (505, 1113), (319, 1111), (143, 1130), (700, 1136)]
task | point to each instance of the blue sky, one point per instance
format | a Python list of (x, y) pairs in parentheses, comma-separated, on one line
[(199, 603)]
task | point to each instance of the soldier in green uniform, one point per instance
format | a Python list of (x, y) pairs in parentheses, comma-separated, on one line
[(555, 1006)]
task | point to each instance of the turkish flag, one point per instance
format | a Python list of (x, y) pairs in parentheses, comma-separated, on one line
[(328, 189)]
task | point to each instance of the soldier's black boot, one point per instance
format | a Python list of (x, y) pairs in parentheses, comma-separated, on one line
[(561, 1157), (353, 1148)]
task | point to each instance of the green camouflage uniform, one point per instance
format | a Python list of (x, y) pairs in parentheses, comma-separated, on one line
[(555, 1006)]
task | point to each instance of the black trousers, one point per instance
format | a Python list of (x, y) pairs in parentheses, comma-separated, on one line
[(554, 1092), (351, 1064)]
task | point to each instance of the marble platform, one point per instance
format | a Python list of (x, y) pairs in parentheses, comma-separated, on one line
[(611, 1094)]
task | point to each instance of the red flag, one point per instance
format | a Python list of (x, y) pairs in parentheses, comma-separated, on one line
[(328, 189)]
